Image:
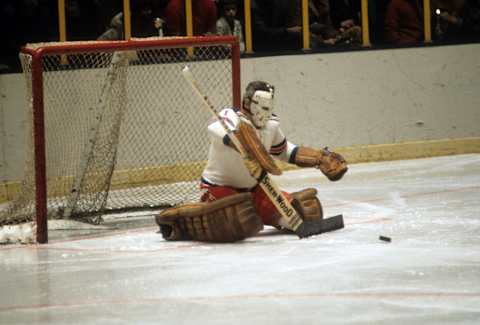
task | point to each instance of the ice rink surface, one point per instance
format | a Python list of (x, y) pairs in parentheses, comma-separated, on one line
[(428, 274)]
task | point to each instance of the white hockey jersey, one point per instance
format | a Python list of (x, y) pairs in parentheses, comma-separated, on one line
[(225, 165)]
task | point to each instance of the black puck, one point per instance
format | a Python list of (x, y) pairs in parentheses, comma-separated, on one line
[(385, 238)]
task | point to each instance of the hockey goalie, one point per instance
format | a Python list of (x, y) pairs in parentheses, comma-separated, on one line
[(233, 205)]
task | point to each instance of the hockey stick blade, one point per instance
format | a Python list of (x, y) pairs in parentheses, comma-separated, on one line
[(317, 227), (332, 223)]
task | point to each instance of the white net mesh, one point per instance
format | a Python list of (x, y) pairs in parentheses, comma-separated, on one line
[(123, 129)]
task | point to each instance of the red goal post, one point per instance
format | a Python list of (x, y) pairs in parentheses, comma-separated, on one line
[(113, 125)]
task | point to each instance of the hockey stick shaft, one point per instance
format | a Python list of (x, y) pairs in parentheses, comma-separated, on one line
[(281, 203)]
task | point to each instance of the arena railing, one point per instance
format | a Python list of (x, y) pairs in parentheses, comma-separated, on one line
[(248, 22)]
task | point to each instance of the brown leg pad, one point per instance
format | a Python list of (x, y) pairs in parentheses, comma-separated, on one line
[(228, 219)]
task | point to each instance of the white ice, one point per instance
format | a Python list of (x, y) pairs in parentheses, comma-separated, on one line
[(428, 274)]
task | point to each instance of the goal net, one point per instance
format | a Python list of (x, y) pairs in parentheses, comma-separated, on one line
[(114, 126)]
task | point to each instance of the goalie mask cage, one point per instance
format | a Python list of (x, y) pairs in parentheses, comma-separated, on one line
[(114, 125)]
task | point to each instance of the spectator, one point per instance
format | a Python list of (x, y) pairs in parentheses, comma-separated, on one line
[(204, 14), (105, 9), (321, 29), (344, 12), (457, 20), (403, 23), (345, 16), (142, 22), (269, 26), (321, 23), (115, 30), (227, 24)]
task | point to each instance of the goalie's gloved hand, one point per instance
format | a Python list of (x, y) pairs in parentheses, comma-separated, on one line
[(331, 164)]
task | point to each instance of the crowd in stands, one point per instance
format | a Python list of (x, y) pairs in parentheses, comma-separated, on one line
[(276, 24)]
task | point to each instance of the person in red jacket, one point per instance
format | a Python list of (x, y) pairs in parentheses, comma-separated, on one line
[(204, 14), (403, 24)]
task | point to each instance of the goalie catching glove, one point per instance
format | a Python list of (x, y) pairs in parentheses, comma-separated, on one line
[(331, 164)]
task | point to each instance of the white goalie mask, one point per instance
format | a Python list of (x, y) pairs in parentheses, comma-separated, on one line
[(261, 107)]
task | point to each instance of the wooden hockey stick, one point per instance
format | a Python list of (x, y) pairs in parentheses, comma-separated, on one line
[(283, 206)]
